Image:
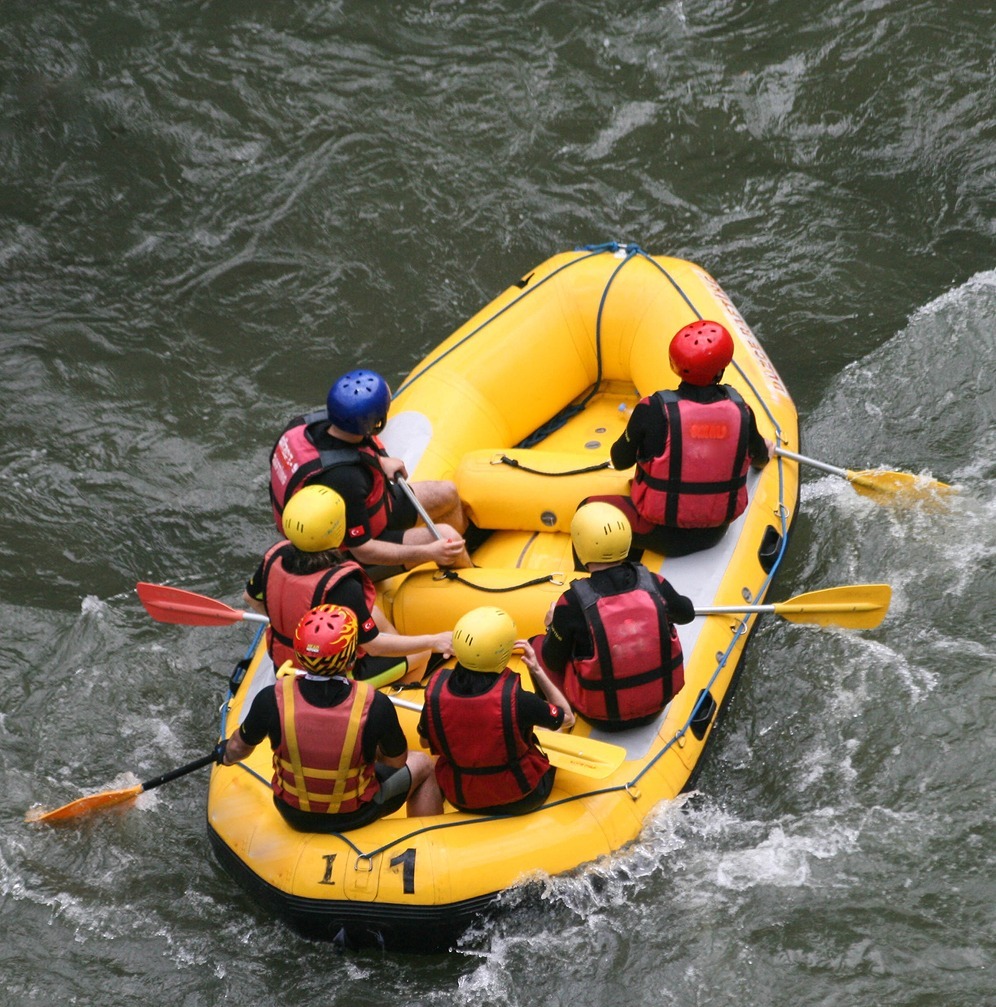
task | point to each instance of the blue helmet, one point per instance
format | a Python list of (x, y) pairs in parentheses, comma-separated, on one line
[(358, 402)]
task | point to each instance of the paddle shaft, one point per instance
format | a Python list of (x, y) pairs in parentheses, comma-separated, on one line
[(175, 774), (835, 470), (417, 504), (879, 484), (787, 608), (855, 606), (237, 614)]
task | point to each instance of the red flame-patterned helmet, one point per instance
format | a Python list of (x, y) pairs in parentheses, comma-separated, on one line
[(325, 640)]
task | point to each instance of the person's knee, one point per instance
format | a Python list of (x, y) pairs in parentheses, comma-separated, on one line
[(420, 766), (439, 495)]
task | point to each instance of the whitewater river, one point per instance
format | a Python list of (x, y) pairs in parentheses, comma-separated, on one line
[(208, 210)]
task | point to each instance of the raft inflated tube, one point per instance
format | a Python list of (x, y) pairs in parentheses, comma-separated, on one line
[(435, 601), (511, 489)]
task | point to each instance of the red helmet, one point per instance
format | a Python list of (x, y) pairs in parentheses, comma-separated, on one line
[(325, 640), (700, 352)]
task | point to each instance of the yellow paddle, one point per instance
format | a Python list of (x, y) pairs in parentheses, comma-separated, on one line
[(854, 606), (879, 484), (109, 798), (584, 756)]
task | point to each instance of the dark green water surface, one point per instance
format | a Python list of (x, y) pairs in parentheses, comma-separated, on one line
[(210, 209)]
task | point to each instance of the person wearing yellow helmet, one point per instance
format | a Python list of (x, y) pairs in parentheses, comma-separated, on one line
[(341, 759), (338, 447), (610, 642), (692, 448), (479, 720), (307, 569)]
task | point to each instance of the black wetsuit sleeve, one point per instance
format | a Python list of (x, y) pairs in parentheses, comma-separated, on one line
[(254, 585), (756, 447), (643, 437), (567, 635), (349, 593), (680, 609), (534, 711), (353, 483), (263, 719), (383, 728)]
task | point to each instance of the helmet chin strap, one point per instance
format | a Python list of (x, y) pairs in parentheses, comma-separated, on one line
[(312, 677)]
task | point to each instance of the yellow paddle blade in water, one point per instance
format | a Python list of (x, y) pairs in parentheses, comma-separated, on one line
[(856, 606), (882, 485), (877, 483), (84, 805)]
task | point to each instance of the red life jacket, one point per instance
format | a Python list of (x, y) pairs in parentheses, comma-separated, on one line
[(637, 664), (483, 759), (700, 479), (288, 596), (318, 765), (295, 461)]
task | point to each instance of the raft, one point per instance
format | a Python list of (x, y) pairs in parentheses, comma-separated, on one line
[(519, 406)]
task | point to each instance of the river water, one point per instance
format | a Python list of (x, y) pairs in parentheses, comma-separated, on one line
[(210, 209)]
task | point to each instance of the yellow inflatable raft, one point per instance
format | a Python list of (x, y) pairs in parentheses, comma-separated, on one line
[(539, 383)]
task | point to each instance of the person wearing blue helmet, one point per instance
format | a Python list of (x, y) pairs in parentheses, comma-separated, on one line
[(338, 447)]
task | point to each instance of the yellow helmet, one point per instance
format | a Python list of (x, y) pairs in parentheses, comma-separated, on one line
[(315, 519), (483, 639), (601, 533)]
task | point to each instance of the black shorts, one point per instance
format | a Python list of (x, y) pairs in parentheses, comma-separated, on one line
[(403, 514)]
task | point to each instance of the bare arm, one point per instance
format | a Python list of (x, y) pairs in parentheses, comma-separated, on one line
[(550, 692), (254, 603), (236, 750), (419, 546), (396, 645)]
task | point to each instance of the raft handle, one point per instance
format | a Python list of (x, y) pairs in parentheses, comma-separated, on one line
[(704, 711), (770, 548)]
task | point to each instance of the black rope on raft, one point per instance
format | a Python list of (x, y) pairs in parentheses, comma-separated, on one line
[(516, 464), (453, 575)]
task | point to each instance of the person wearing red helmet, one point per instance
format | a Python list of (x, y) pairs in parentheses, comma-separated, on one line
[(692, 448), (338, 447), (340, 757)]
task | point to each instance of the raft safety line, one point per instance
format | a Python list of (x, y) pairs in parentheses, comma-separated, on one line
[(448, 573)]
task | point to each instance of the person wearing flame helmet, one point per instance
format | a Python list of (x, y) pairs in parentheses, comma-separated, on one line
[(338, 447), (340, 757), (692, 448)]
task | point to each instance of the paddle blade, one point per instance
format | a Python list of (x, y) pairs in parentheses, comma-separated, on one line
[(185, 608), (584, 756), (856, 606), (84, 805), (883, 486)]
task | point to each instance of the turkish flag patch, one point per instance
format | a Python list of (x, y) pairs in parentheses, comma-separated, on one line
[(355, 532)]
